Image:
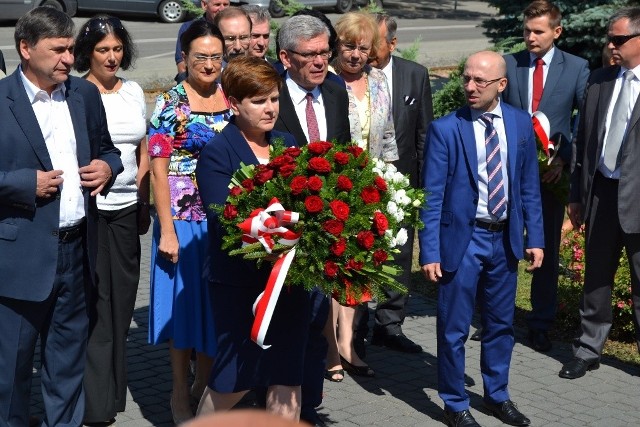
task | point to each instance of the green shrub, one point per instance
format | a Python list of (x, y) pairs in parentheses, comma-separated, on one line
[(451, 96)]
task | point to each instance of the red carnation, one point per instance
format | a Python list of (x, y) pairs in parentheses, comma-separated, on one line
[(341, 158), (319, 148), (313, 204), (344, 183), (330, 269), (298, 184), (287, 170), (379, 256), (314, 184), (365, 239), (263, 174), (370, 195), (235, 191), (340, 209), (319, 165), (279, 161), (380, 183), (380, 223), (333, 226), (248, 184), (230, 211), (352, 264), (355, 150), (338, 247), (293, 151)]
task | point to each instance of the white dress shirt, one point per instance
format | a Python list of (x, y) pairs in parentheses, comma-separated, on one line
[(479, 128), (545, 70), (299, 98), (52, 113)]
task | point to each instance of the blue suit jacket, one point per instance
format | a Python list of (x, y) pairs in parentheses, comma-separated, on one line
[(451, 181), (29, 225), (563, 91), (218, 161)]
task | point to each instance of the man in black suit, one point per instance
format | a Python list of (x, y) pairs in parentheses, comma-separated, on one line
[(304, 51), (412, 113), (562, 79), (57, 155), (605, 184)]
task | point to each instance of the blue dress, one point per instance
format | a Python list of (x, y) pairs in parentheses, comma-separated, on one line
[(235, 283), (180, 303)]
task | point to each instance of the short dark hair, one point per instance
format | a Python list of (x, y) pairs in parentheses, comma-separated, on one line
[(538, 8), (42, 23), (93, 32), (390, 23), (630, 13), (200, 28), (231, 12), (246, 76)]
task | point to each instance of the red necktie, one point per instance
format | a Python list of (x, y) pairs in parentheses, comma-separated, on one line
[(312, 121), (538, 78)]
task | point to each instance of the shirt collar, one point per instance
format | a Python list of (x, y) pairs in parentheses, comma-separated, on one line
[(546, 58), (298, 93), (497, 111), (34, 91), (635, 70)]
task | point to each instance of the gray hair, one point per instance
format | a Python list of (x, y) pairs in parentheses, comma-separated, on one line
[(42, 23), (630, 13), (256, 13), (390, 23), (300, 28)]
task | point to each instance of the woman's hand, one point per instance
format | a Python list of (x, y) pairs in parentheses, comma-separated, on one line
[(169, 247)]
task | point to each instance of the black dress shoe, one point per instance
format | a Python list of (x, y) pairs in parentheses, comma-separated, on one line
[(477, 335), (460, 419), (398, 342), (539, 340), (362, 371), (508, 413), (313, 419), (576, 368)]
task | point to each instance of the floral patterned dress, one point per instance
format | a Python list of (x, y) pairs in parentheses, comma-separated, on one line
[(180, 306)]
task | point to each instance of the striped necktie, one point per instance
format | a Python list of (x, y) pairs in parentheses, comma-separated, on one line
[(495, 183)]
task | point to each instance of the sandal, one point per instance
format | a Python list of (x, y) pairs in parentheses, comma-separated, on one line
[(330, 375)]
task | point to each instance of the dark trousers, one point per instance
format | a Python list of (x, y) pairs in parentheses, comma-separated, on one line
[(604, 242), (544, 284), (315, 358), (389, 314), (62, 323), (111, 308)]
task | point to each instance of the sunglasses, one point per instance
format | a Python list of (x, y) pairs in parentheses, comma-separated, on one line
[(620, 40), (103, 24)]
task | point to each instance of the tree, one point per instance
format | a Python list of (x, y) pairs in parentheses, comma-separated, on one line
[(584, 24)]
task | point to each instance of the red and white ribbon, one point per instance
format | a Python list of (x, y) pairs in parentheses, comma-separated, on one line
[(261, 226), (542, 128), (265, 304)]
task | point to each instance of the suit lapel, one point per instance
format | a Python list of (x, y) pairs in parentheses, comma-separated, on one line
[(465, 129), (288, 116), (330, 113), (522, 76), (398, 92), (77, 110), (606, 92), (239, 144), (553, 77), (25, 117)]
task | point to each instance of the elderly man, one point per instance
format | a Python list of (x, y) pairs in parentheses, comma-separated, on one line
[(605, 184), (481, 175), (211, 9), (235, 26), (260, 30), (57, 156)]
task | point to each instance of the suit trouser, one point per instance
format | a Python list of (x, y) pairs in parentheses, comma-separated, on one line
[(604, 242), (544, 284), (62, 323), (112, 304), (489, 268), (390, 313)]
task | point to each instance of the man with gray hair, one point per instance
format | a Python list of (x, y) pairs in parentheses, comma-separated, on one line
[(57, 156), (260, 30)]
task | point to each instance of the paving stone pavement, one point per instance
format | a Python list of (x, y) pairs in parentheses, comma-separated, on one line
[(403, 393)]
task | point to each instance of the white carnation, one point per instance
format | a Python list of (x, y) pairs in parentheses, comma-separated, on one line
[(401, 237)]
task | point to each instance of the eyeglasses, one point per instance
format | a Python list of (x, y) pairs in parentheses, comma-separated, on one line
[(348, 47), (201, 59), (243, 39), (325, 55), (481, 83), (104, 24), (620, 40)]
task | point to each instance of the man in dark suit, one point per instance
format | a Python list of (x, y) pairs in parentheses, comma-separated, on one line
[(311, 108), (412, 113), (57, 155), (481, 179), (605, 184), (560, 79)]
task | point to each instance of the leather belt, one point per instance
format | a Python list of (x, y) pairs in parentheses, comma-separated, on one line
[(491, 226), (68, 234)]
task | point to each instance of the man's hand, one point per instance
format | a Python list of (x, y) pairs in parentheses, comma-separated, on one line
[(48, 183), (432, 272), (575, 214), (534, 256), (554, 173), (95, 175)]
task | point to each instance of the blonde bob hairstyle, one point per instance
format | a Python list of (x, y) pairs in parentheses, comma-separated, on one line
[(355, 26)]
